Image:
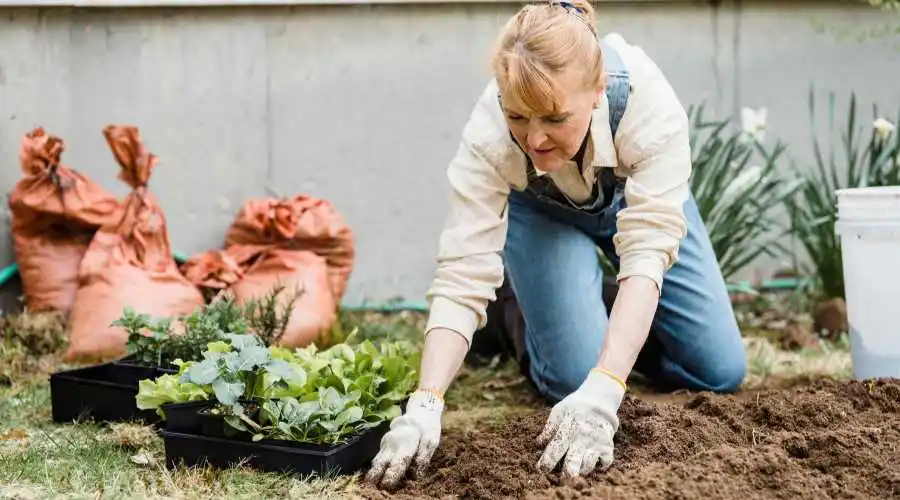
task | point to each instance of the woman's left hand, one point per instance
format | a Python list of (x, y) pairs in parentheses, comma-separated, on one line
[(581, 427)]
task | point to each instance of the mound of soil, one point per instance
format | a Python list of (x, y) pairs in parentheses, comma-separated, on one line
[(826, 440)]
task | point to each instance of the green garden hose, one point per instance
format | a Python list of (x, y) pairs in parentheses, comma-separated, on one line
[(8, 272)]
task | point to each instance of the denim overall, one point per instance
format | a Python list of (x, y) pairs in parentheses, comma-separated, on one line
[(551, 263), (598, 216)]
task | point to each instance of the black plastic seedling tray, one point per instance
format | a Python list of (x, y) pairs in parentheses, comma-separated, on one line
[(104, 392), (274, 456), (183, 417), (95, 393), (127, 372)]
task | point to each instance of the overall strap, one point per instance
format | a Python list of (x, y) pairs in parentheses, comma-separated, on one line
[(618, 84)]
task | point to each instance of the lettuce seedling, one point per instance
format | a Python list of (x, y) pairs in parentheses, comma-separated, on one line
[(169, 388), (328, 419)]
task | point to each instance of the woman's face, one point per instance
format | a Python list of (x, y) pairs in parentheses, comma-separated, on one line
[(552, 140)]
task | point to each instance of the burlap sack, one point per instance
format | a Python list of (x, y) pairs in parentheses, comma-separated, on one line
[(299, 223), (55, 213), (129, 262), (251, 272)]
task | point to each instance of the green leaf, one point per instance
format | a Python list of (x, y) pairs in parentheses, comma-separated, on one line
[(390, 413), (165, 389), (218, 346), (203, 373), (349, 415), (346, 352), (285, 428), (252, 357), (363, 383), (288, 372), (227, 392), (235, 423), (243, 341)]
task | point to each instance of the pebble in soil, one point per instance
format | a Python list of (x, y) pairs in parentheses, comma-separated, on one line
[(826, 440)]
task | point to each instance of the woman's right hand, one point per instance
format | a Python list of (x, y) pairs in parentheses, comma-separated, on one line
[(413, 436)]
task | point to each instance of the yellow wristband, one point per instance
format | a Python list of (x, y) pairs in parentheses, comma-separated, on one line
[(438, 394), (612, 376)]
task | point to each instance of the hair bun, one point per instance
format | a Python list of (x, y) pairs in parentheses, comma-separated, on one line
[(581, 8)]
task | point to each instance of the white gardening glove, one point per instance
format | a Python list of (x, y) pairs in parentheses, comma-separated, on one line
[(582, 426), (413, 435)]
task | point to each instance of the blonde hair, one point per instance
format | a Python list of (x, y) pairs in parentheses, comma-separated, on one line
[(544, 39)]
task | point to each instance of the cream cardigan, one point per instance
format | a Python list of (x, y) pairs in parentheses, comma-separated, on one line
[(651, 151)]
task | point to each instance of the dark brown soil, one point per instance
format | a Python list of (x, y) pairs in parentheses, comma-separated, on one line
[(826, 440)]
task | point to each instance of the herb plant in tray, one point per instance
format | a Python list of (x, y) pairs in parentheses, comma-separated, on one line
[(160, 345), (106, 392)]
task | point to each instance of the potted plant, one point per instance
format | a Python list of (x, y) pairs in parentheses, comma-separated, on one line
[(106, 392), (302, 410)]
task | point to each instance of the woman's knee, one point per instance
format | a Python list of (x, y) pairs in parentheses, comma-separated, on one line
[(719, 366), (557, 379), (727, 368), (727, 375)]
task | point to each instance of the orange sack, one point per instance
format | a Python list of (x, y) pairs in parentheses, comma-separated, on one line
[(129, 262), (251, 272), (55, 213), (299, 223)]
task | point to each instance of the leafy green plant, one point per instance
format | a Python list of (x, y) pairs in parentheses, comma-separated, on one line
[(338, 391), (327, 419), (383, 375), (737, 187), (170, 388), (153, 342), (234, 369), (347, 389), (871, 161)]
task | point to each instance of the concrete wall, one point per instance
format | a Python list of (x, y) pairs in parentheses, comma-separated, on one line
[(364, 104)]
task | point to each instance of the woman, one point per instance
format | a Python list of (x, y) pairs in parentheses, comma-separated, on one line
[(577, 143)]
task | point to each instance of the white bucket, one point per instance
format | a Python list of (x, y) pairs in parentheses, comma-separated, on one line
[(868, 224)]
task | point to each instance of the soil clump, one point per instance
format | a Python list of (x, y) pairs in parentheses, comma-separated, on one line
[(828, 439)]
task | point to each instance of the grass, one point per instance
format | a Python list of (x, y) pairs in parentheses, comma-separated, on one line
[(39, 459)]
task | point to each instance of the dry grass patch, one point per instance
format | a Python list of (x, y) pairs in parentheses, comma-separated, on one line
[(769, 365)]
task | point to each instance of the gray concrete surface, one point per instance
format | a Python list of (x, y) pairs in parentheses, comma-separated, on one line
[(363, 105)]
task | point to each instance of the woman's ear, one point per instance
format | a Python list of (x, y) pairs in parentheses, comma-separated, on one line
[(601, 89)]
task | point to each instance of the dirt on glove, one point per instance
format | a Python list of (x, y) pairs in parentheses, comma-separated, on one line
[(826, 440)]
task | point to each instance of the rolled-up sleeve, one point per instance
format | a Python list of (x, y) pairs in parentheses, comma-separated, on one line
[(654, 149), (469, 265)]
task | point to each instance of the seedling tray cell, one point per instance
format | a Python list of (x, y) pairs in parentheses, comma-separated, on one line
[(183, 417), (274, 456), (94, 393)]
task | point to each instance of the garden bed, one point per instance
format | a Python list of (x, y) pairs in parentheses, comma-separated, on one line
[(824, 440)]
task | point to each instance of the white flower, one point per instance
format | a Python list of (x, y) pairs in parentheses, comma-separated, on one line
[(742, 182), (883, 128), (754, 122)]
